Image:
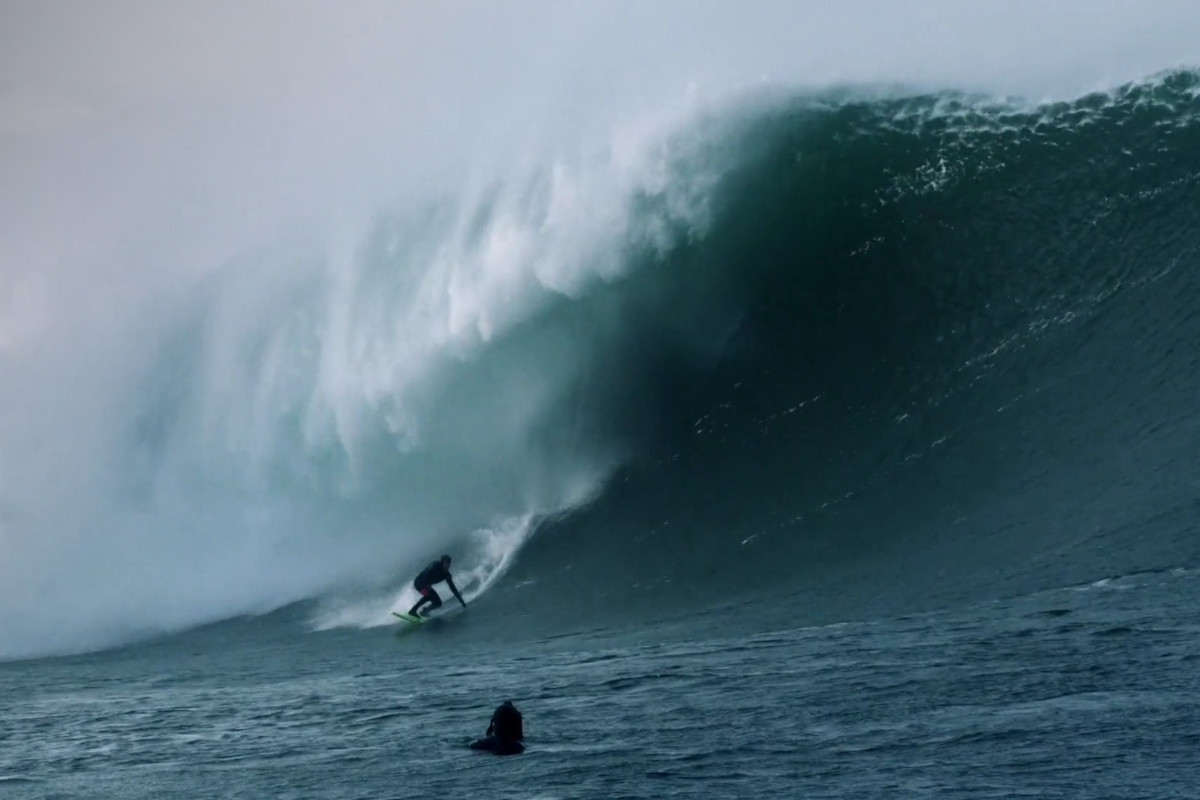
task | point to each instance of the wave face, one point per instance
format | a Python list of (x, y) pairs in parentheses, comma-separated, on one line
[(864, 352), (949, 354)]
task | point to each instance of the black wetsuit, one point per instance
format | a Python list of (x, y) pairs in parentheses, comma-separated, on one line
[(434, 573), (507, 723), (504, 733)]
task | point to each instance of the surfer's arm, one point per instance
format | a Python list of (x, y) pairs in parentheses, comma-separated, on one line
[(453, 588)]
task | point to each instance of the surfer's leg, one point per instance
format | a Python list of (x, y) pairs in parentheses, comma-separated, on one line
[(435, 602), (425, 592)]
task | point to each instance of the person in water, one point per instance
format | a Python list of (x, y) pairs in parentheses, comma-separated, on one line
[(436, 572), (504, 732)]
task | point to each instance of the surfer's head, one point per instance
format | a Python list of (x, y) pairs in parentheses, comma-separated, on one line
[(445, 561)]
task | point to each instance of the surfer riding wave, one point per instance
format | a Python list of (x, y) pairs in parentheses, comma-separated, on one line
[(436, 572)]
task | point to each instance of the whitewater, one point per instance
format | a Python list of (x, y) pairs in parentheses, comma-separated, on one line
[(807, 398)]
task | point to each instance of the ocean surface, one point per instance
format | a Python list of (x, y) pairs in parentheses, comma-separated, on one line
[(1085, 691), (840, 443)]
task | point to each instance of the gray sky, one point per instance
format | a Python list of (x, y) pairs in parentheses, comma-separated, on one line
[(63, 61), (308, 97)]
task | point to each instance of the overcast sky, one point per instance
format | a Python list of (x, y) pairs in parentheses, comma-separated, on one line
[(60, 60)]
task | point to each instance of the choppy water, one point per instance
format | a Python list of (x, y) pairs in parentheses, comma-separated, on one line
[(1089, 691)]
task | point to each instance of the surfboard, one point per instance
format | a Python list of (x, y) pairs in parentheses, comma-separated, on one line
[(411, 620)]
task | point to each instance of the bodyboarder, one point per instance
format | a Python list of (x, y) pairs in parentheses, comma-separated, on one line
[(504, 732)]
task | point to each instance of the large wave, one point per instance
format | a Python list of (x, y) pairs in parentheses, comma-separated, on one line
[(826, 331), (954, 363)]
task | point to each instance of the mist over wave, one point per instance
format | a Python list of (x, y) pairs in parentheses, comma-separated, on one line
[(300, 419), (272, 339)]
